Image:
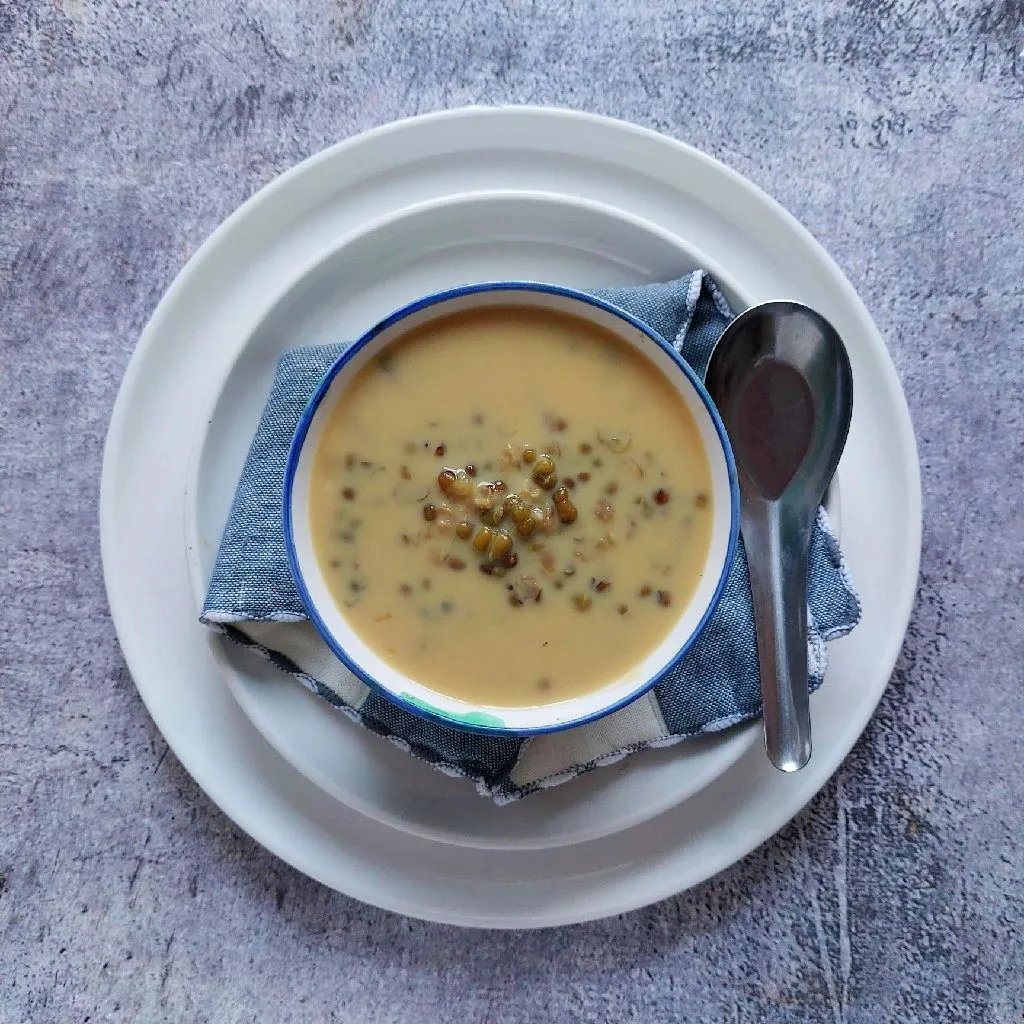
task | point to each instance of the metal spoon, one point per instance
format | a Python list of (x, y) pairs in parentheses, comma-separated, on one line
[(781, 379)]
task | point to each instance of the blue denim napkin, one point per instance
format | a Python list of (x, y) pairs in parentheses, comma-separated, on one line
[(253, 600)]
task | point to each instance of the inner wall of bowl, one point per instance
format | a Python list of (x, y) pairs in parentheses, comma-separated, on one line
[(363, 660)]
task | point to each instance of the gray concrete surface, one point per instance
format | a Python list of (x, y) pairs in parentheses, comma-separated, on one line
[(893, 128)]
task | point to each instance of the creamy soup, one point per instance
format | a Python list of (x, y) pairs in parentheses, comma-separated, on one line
[(511, 506)]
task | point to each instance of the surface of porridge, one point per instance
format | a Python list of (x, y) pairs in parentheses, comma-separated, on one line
[(511, 506)]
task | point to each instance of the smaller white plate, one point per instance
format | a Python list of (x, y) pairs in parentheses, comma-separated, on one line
[(348, 288)]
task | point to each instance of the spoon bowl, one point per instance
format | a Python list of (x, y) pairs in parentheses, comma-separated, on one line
[(781, 379)]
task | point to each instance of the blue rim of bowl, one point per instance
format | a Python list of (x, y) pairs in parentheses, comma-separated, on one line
[(299, 438)]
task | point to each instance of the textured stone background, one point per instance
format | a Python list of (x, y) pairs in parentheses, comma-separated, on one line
[(893, 128)]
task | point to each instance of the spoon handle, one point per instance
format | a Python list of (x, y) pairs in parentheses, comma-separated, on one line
[(777, 553)]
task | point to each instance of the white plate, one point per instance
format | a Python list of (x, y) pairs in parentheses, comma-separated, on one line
[(344, 291), (196, 335)]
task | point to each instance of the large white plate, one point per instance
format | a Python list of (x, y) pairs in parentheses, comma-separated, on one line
[(196, 335), (430, 246)]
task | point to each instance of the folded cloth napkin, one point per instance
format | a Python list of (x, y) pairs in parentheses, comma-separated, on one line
[(253, 600)]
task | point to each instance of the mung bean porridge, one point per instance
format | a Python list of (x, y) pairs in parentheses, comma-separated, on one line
[(511, 505)]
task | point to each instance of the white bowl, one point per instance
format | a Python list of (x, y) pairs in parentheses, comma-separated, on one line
[(408, 692)]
